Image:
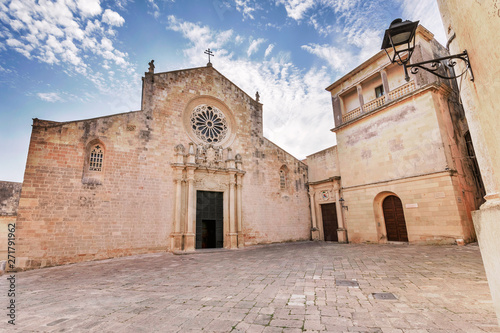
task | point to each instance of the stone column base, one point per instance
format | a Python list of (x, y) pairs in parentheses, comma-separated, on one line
[(232, 240), (315, 235), (342, 235), (487, 225), (241, 240), (175, 241), (189, 242)]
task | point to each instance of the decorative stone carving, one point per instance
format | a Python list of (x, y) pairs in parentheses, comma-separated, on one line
[(180, 149), (209, 156), (209, 124)]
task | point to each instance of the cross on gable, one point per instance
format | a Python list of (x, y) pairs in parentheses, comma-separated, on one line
[(210, 53)]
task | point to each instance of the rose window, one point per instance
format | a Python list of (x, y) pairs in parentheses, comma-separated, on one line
[(209, 123)]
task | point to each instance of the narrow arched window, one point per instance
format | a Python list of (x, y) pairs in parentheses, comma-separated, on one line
[(93, 169), (283, 177), (96, 158), (282, 180)]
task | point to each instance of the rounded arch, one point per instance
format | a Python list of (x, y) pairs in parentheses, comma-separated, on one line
[(95, 156), (380, 218), (389, 216)]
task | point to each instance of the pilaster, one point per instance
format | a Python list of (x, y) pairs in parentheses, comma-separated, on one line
[(233, 235), (341, 231), (314, 230), (239, 187)]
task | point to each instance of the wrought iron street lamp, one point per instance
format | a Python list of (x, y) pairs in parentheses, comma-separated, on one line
[(399, 43), (342, 203)]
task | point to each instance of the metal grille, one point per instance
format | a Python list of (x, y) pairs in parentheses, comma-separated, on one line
[(383, 296), (96, 157), (346, 283)]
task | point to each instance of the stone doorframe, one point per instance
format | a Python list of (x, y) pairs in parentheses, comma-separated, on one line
[(323, 192), (379, 215), (206, 168)]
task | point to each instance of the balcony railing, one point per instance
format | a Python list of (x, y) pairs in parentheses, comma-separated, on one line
[(402, 90), (376, 103), (351, 115)]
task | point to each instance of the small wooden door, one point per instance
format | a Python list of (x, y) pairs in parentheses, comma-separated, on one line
[(394, 219), (330, 224)]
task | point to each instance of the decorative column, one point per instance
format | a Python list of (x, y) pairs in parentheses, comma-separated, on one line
[(385, 84), (360, 97), (231, 166), (176, 240), (233, 235), (341, 231), (189, 236), (314, 228), (178, 165), (239, 187)]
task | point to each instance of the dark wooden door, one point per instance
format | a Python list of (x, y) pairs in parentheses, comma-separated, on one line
[(208, 236), (209, 220), (394, 219), (330, 224)]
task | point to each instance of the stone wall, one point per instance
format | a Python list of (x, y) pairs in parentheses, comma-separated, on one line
[(407, 149), (477, 32), (323, 165), (69, 214), (10, 193), (434, 210)]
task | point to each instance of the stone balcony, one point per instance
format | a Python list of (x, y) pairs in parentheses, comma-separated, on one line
[(374, 104)]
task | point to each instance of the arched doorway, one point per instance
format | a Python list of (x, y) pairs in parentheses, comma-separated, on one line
[(394, 219)]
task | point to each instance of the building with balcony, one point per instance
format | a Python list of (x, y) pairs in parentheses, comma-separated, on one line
[(403, 168)]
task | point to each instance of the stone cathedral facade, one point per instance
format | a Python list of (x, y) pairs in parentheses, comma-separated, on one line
[(190, 170)]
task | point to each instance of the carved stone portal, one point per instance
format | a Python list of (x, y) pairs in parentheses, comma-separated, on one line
[(206, 167)]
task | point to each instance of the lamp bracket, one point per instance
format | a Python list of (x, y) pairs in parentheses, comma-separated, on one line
[(432, 66)]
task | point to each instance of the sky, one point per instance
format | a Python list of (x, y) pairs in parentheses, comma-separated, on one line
[(78, 59)]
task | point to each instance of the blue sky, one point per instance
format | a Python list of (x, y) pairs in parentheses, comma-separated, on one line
[(78, 59)]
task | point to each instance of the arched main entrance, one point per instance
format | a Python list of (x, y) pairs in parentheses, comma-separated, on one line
[(394, 219)]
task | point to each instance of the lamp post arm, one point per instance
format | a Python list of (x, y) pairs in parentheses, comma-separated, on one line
[(435, 64)]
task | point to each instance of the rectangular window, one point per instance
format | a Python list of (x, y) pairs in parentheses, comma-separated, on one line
[(379, 91)]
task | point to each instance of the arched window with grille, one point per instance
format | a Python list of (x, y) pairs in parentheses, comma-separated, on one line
[(283, 177), (93, 168), (96, 157)]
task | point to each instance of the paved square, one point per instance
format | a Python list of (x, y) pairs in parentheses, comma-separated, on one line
[(276, 288)]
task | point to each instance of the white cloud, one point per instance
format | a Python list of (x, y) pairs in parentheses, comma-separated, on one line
[(268, 50), (156, 9), (297, 110), (338, 59), (246, 7), (427, 12), (254, 45), (296, 8), (112, 18), (69, 34), (89, 7), (239, 39), (50, 97)]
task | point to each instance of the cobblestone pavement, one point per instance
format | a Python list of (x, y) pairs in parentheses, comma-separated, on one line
[(290, 287)]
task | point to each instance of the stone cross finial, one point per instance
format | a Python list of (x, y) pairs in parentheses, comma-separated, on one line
[(257, 96), (151, 66)]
